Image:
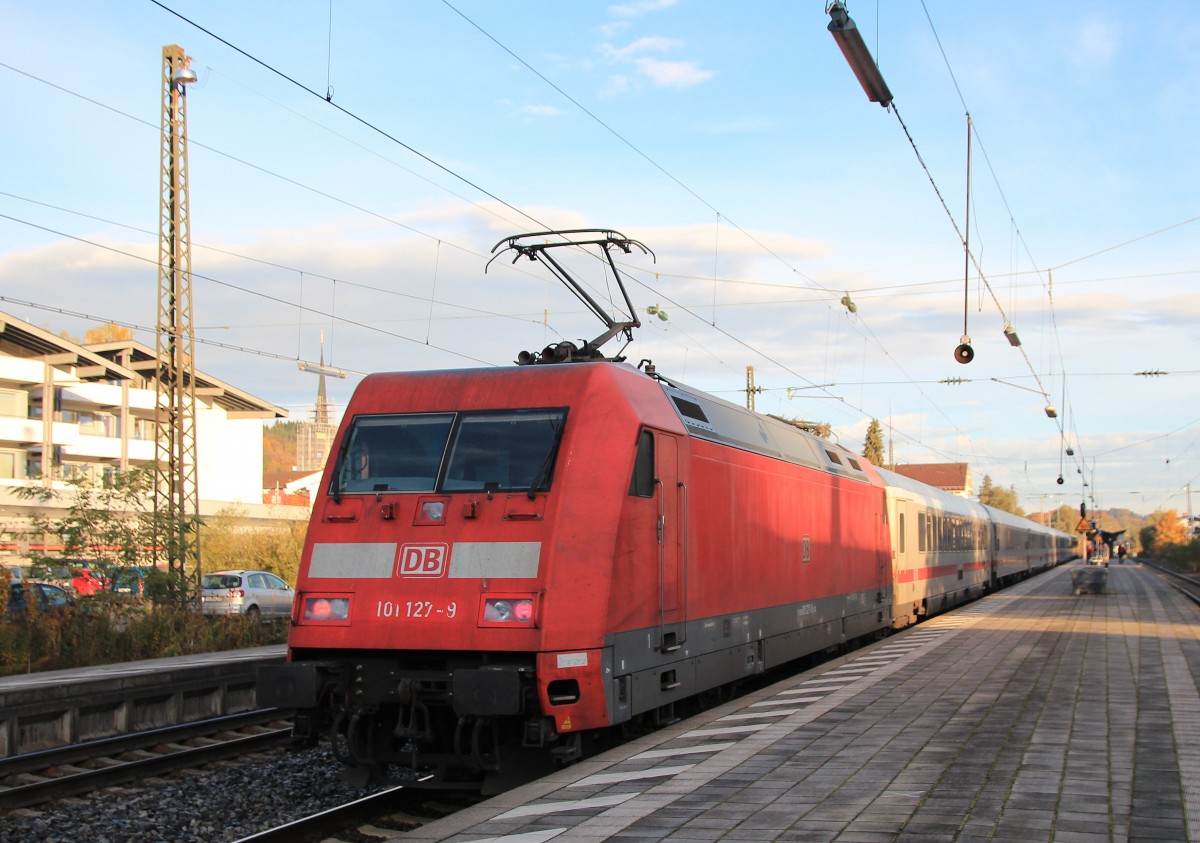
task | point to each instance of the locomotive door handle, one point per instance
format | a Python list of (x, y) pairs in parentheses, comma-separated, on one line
[(660, 527), (666, 642), (661, 523), (682, 490)]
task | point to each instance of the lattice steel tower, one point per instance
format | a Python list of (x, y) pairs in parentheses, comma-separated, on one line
[(176, 497)]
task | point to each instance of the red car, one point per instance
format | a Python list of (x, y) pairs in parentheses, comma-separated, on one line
[(86, 582)]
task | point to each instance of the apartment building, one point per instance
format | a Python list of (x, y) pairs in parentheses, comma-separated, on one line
[(77, 412)]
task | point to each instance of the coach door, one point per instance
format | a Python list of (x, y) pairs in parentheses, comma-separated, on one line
[(906, 558), (671, 495), (992, 555)]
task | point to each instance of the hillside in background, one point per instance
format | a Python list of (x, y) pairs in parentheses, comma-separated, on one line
[(279, 446)]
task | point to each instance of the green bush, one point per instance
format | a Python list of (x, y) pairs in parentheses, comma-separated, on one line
[(1181, 557), (112, 525), (106, 629)]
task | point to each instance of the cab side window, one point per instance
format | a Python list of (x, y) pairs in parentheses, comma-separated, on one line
[(642, 483)]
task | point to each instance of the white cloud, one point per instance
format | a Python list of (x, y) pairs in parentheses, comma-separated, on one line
[(1097, 44), (615, 85), (541, 110), (532, 109), (638, 8), (659, 72), (652, 43), (739, 126), (698, 239), (672, 74)]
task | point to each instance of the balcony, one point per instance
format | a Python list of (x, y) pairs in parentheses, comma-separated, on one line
[(29, 431), (108, 448)]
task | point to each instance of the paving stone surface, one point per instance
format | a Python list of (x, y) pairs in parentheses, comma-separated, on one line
[(1034, 714)]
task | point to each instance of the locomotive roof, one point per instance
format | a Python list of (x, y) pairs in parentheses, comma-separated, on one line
[(708, 417), (702, 415)]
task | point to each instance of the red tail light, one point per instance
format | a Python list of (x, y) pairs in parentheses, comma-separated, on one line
[(325, 609)]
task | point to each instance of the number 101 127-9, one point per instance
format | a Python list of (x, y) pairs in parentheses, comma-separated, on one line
[(414, 609)]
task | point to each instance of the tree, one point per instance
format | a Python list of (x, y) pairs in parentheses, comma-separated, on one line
[(993, 495), (279, 446), (873, 446), (1064, 518), (229, 541), (822, 429), (1166, 531), (106, 526), (107, 332)]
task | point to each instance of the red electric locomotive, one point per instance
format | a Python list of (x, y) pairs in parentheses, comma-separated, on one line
[(503, 561), (509, 558)]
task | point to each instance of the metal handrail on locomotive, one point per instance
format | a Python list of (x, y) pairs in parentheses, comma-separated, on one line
[(504, 562)]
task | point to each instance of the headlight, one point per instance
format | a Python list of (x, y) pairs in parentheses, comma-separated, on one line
[(508, 610)]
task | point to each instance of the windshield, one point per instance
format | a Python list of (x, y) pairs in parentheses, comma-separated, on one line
[(451, 452), (394, 453)]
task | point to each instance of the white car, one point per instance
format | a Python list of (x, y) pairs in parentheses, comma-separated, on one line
[(250, 593)]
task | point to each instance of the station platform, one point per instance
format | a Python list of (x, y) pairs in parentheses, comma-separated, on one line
[(1033, 714), (59, 707)]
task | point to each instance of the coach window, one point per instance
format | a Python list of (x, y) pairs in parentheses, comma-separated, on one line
[(642, 483)]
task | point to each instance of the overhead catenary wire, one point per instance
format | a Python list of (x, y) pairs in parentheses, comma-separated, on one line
[(263, 262), (714, 284), (259, 294), (430, 160), (743, 343), (720, 215), (350, 114), (134, 326)]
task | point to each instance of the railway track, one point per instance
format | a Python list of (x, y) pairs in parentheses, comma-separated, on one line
[(397, 809), (1188, 586), (51, 774)]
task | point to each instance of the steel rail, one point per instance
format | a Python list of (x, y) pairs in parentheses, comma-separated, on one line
[(47, 788)]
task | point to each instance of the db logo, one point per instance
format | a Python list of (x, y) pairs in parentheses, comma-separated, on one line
[(422, 560)]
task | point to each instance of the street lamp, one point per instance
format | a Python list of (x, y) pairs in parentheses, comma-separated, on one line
[(850, 42), (184, 75), (320, 369)]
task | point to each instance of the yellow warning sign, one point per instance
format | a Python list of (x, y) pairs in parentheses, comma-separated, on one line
[(566, 724), (1083, 526)]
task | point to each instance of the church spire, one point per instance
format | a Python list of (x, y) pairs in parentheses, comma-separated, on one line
[(322, 414)]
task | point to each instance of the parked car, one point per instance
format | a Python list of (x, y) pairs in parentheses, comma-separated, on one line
[(129, 580), (73, 574), (250, 593), (86, 582), (47, 597), (16, 573), (51, 572)]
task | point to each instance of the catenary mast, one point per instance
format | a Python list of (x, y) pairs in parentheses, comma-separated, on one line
[(176, 497)]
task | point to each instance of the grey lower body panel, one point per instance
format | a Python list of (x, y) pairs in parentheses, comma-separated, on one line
[(707, 653)]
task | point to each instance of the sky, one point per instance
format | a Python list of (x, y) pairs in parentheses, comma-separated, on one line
[(352, 164)]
